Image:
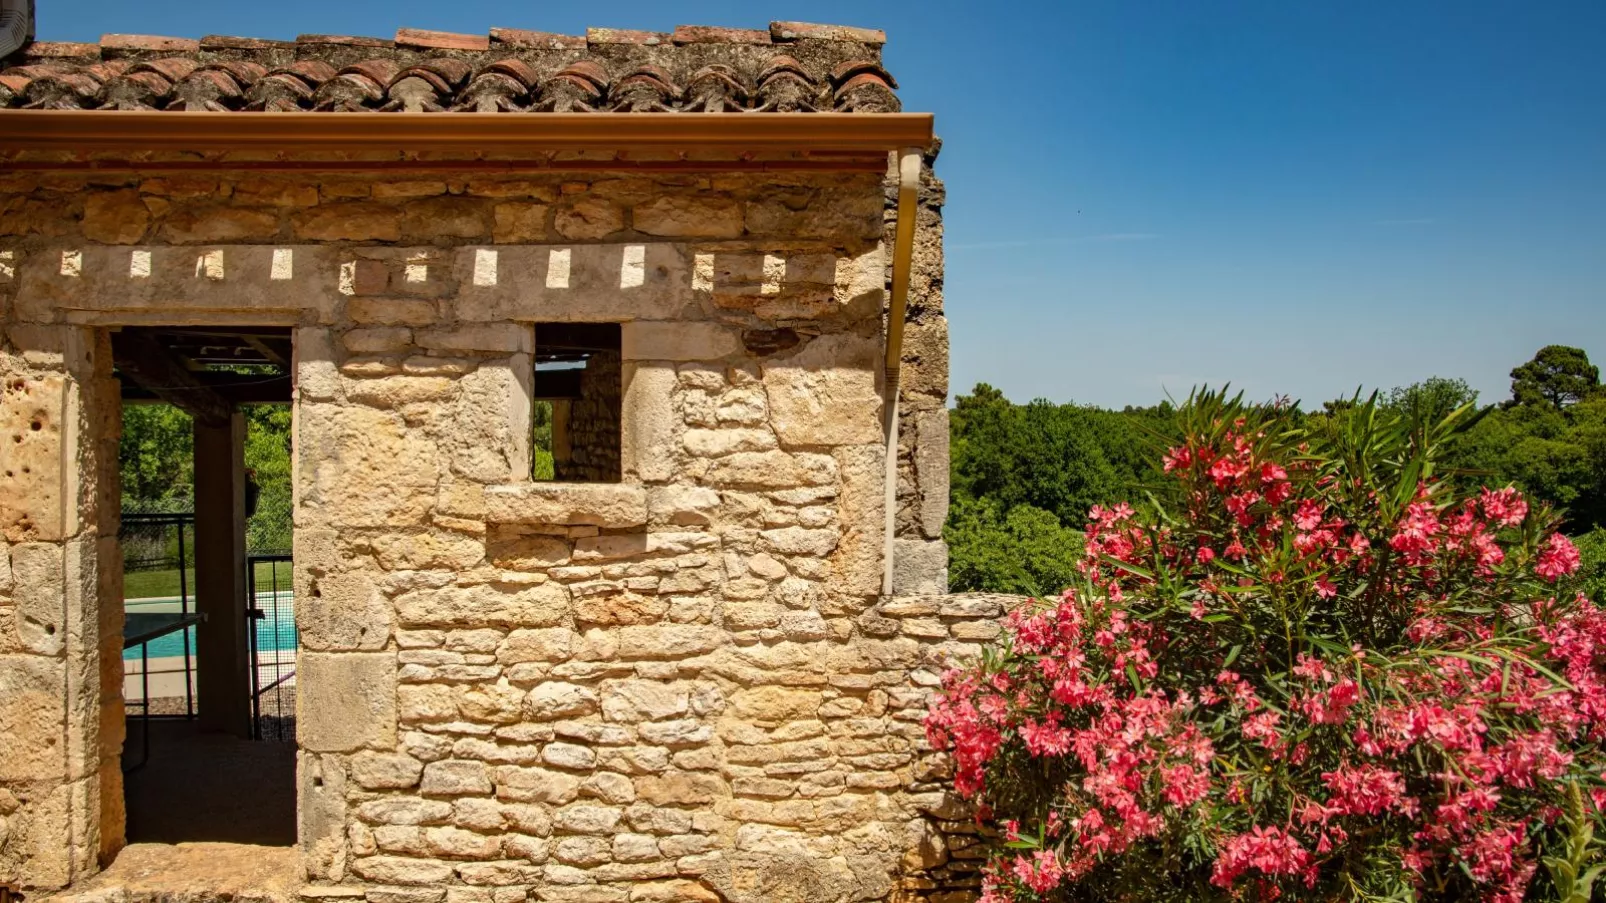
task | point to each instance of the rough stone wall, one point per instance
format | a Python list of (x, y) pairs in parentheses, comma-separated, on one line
[(61, 724), (594, 423), (682, 686)]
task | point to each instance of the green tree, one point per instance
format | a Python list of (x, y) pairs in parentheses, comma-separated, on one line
[(1559, 375), (1024, 551), (157, 457), (1431, 400)]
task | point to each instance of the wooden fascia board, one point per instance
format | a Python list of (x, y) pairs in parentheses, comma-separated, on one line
[(206, 132)]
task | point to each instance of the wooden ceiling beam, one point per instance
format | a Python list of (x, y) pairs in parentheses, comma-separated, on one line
[(142, 359)]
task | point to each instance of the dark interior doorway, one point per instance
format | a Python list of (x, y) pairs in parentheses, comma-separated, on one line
[(209, 669)]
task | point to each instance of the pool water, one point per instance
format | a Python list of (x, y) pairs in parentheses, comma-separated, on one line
[(275, 632)]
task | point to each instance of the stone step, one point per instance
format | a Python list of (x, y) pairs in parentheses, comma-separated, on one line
[(193, 873)]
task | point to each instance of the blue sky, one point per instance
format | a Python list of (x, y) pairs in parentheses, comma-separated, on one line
[(1298, 198)]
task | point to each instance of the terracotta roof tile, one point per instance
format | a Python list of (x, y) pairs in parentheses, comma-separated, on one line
[(442, 40), (709, 34), (624, 36), (697, 69), (793, 31), (229, 42), (343, 40), (148, 42), (518, 37), (39, 50)]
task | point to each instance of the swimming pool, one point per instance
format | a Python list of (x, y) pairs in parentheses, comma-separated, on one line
[(275, 632)]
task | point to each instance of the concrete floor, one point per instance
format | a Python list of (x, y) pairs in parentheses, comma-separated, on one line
[(201, 787)]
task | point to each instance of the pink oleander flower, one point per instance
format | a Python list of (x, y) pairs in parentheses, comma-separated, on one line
[(1557, 558)]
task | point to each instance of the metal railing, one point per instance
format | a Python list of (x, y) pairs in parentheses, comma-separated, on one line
[(270, 611)]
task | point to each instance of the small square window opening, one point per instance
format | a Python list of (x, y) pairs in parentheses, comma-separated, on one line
[(579, 384)]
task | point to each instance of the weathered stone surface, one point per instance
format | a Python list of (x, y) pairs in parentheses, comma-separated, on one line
[(348, 222), (825, 394), (683, 505), (343, 611), (599, 505), (505, 605), (695, 217), (588, 219), (220, 224), (115, 217), (30, 458), (346, 701), (195, 871), (348, 453), (32, 718), (385, 771), (919, 567), (519, 221)]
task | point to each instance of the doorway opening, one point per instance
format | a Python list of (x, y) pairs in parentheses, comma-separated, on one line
[(209, 637)]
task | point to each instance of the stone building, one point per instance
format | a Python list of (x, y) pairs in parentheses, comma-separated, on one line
[(690, 667)]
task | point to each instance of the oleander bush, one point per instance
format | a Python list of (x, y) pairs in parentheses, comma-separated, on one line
[(1309, 668)]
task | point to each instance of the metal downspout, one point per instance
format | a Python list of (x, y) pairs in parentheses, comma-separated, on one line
[(903, 243)]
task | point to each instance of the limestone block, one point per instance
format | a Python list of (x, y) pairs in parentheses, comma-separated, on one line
[(919, 567), (428, 550), (606, 505), (705, 443), (772, 470), (668, 641), (493, 604), (801, 541), (925, 359), (456, 777), (216, 225), (354, 221), (317, 373), (275, 193), (858, 559), (649, 423), (31, 424), (346, 701), (402, 870), (931, 465), (779, 877), (361, 467), (483, 435), (343, 612), (550, 644), (445, 217), (825, 394), (536, 785), (686, 340), (115, 217), (392, 311), (519, 221), (39, 595), (682, 505), (588, 219), (508, 547), (377, 339), (631, 701), (32, 718), (385, 770), (582, 818), (555, 699), (487, 337), (690, 217)]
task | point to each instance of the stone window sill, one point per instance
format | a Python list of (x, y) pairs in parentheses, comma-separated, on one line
[(610, 505)]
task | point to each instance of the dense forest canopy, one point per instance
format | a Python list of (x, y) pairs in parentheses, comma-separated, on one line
[(1024, 475)]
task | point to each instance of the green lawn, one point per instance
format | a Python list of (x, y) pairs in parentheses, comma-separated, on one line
[(148, 584)]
